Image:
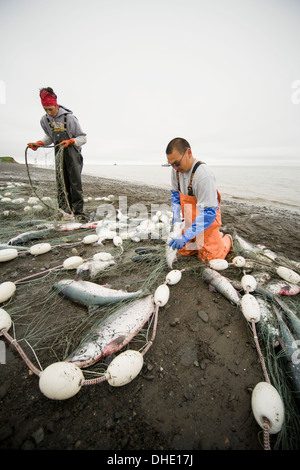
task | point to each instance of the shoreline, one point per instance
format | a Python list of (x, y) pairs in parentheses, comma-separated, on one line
[(160, 191)]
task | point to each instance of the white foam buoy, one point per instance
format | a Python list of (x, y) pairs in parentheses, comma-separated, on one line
[(124, 368), (61, 380), (89, 239), (161, 295), (102, 256), (239, 261), (7, 290), (117, 241), (266, 403), (173, 277), (218, 264), (40, 248), (5, 320), (249, 283), (73, 262), (8, 254), (250, 308), (288, 275)]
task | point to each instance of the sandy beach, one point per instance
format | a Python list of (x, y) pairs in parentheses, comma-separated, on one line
[(194, 390)]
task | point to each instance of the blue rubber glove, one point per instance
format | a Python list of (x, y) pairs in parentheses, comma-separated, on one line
[(178, 243), (203, 220), (176, 207)]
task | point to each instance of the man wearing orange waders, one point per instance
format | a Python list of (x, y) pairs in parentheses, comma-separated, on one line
[(194, 193)]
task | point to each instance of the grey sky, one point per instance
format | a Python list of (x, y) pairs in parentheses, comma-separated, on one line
[(137, 73)]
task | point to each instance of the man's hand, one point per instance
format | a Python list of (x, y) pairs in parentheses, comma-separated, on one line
[(178, 243), (66, 143), (36, 145)]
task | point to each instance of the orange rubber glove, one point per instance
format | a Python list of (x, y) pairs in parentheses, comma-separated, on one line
[(66, 143), (36, 145)]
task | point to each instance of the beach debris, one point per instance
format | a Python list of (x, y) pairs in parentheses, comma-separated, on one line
[(91, 294), (221, 284), (113, 332)]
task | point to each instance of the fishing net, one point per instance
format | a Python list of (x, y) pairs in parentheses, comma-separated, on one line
[(49, 327)]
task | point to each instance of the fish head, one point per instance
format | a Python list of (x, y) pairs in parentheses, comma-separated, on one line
[(85, 355)]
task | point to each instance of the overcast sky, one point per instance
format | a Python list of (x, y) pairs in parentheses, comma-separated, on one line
[(137, 73)]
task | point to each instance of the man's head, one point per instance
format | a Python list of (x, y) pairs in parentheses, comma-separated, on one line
[(179, 154), (49, 103)]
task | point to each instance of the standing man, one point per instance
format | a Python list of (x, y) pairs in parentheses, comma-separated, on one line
[(62, 128), (194, 193)]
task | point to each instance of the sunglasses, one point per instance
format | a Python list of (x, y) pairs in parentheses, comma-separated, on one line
[(177, 164)]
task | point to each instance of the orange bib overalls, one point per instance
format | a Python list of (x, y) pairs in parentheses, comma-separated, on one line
[(210, 244)]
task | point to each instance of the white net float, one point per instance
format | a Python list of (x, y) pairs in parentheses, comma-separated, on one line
[(7, 290), (102, 256), (89, 239), (266, 403), (40, 248), (124, 368), (117, 241), (73, 262), (8, 254), (61, 380), (288, 275), (218, 264), (249, 283), (239, 261), (250, 308), (173, 277), (5, 320), (161, 295)]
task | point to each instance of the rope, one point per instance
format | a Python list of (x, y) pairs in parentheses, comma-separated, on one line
[(59, 158), (266, 427), (94, 381), (21, 352)]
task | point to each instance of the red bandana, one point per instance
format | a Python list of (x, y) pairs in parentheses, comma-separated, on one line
[(48, 99)]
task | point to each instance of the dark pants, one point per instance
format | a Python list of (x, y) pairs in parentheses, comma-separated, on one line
[(69, 191)]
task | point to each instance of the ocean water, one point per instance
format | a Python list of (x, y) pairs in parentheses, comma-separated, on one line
[(265, 185)]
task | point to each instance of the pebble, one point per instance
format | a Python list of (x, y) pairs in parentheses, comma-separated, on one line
[(38, 435), (203, 315)]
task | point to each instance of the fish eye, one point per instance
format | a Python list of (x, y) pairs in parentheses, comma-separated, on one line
[(82, 350)]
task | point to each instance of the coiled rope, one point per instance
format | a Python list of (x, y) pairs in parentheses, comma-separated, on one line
[(59, 160)]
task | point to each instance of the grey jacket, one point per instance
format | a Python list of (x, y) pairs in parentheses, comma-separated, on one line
[(73, 128)]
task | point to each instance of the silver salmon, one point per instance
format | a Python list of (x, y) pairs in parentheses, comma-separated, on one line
[(90, 294), (113, 332), (221, 284)]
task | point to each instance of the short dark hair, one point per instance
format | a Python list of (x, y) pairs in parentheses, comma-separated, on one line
[(179, 144), (49, 90)]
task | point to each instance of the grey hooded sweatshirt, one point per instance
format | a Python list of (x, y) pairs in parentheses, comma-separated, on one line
[(73, 128)]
